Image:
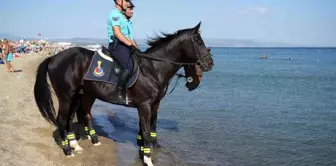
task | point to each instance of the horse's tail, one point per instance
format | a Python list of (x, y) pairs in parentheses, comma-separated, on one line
[(42, 93)]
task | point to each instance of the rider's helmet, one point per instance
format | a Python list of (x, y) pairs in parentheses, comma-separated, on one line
[(131, 5)]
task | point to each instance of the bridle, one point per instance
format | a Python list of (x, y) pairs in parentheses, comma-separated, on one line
[(198, 62)]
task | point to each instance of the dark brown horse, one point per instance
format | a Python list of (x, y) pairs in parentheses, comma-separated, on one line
[(66, 71)]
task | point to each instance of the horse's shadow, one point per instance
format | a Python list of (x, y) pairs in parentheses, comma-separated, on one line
[(118, 131), (124, 129), (17, 71)]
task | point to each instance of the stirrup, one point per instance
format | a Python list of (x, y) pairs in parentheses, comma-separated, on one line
[(121, 97)]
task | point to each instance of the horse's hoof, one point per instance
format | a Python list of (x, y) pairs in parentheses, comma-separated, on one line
[(78, 149), (71, 155), (67, 151), (88, 137), (94, 139), (75, 146), (156, 146), (97, 144), (148, 161)]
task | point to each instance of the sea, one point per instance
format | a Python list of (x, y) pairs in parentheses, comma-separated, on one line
[(247, 111)]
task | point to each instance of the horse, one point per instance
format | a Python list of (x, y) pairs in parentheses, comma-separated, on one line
[(157, 65), (193, 76)]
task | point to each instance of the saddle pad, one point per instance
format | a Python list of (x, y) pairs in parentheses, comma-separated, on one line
[(102, 69)]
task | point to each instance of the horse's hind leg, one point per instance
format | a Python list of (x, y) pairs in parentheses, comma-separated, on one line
[(75, 105), (67, 106), (62, 123), (87, 103)]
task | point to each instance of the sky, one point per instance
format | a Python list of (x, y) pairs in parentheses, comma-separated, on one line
[(303, 22)]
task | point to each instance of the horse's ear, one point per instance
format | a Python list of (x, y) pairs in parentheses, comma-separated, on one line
[(197, 27)]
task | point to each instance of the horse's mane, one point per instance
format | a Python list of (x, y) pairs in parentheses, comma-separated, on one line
[(164, 38)]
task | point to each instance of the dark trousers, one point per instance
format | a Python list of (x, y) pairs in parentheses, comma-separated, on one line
[(123, 55)]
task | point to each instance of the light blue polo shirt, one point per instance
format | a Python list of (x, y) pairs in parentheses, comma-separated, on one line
[(117, 18), (130, 29)]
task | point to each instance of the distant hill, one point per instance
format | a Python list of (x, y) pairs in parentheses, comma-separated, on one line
[(244, 43), (13, 37), (9, 36), (142, 42)]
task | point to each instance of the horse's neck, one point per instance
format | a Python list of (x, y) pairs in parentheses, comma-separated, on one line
[(164, 71)]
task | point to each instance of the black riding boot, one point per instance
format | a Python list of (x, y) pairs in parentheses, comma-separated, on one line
[(124, 76)]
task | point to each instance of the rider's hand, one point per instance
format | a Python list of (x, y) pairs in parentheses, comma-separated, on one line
[(134, 49)]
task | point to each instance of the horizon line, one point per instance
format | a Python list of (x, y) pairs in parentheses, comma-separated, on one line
[(286, 45)]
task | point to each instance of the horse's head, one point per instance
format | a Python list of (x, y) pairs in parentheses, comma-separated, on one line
[(193, 75), (195, 50)]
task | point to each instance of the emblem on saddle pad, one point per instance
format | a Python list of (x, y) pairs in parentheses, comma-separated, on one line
[(98, 71)]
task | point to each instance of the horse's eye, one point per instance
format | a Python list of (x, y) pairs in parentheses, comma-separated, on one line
[(200, 42)]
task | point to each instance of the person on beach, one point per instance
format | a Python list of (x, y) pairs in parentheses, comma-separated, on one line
[(129, 15), (119, 44), (1, 52), (8, 55)]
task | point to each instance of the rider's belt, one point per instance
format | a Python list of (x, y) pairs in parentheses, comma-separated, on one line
[(115, 42)]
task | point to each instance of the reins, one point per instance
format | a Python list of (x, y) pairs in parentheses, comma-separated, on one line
[(179, 75), (143, 55)]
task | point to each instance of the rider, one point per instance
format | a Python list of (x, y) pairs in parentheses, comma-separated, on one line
[(119, 45), (129, 15)]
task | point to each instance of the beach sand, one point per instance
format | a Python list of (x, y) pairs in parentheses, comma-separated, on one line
[(25, 137)]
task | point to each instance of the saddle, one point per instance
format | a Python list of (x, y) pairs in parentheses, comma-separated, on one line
[(116, 65)]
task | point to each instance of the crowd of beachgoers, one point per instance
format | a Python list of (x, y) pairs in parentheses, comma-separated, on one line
[(28, 46)]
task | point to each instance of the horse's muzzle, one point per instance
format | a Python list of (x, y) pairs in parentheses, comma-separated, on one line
[(207, 65)]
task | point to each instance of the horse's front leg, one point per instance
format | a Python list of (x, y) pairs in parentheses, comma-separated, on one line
[(140, 141), (153, 121), (153, 134), (144, 112)]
